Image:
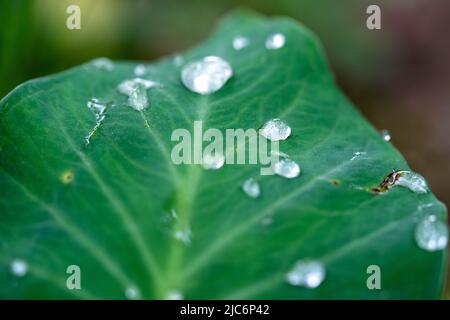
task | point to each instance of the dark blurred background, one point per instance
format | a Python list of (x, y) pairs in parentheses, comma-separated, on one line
[(397, 76)]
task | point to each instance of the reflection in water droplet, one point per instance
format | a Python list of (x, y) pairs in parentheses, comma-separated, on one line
[(431, 234), (132, 293), (240, 42), (275, 130), (386, 135), (19, 267), (306, 273), (174, 295), (207, 75), (275, 41), (251, 188), (103, 64), (286, 168), (213, 162), (140, 70), (413, 181)]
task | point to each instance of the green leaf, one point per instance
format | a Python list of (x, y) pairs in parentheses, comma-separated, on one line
[(106, 206)]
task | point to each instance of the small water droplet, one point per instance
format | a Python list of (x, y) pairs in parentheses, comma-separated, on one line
[(207, 75), (251, 188), (178, 60), (184, 235), (275, 41), (413, 181), (431, 234), (213, 162), (386, 135), (267, 221), (140, 70), (136, 90), (306, 273), (287, 168), (357, 155), (19, 267), (275, 130), (175, 295), (240, 42), (103, 64), (132, 293)]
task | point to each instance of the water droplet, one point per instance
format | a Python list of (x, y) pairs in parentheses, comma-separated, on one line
[(306, 273), (178, 60), (275, 41), (357, 155), (413, 181), (240, 42), (213, 162), (287, 168), (275, 130), (140, 70), (431, 234), (174, 295), (103, 64), (386, 135), (99, 109), (184, 235), (251, 188), (136, 90), (132, 293), (126, 87), (19, 267), (207, 75)]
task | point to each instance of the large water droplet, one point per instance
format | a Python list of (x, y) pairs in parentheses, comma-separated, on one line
[(19, 267), (386, 135), (431, 234), (213, 162), (240, 42), (251, 188), (275, 41), (103, 64), (132, 293), (286, 168), (207, 75), (275, 130), (413, 181), (306, 273), (175, 295)]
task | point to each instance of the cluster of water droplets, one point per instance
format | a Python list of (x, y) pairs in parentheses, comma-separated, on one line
[(99, 110), (306, 273)]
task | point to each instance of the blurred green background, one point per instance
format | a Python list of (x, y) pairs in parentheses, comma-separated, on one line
[(399, 77)]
